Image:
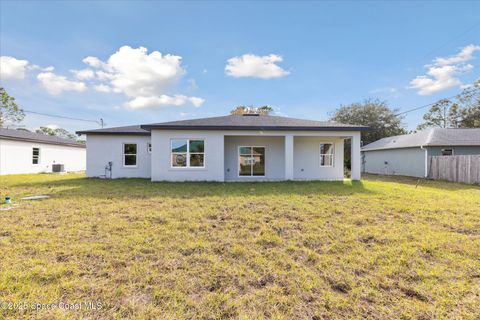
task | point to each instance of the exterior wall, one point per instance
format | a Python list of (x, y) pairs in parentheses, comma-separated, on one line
[(221, 155), (306, 161), (404, 161), (16, 157), (458, 151), (214, 159), (104, 148), (274, 157)]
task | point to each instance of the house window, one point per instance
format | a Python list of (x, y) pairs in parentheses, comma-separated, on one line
[(326, 154), (188, 153), (129, 154), (447, 152), (35, 155), (149, 147), (251, 161)]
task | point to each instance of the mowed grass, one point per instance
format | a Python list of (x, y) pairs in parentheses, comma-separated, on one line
[(380, 248)]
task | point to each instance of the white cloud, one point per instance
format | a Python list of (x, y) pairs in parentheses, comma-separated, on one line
[(390, 91), (163, 100), (466, 54), (102, 88), (56, 84), (12, 68), (94, 62), (250, 65), (148, 79), (197, 102), (192, 84), (83, 74), (444, 73)]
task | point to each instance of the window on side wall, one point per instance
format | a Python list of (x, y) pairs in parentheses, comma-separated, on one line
[(447, 152), (129, 154), (187, 153), (326, 154), (35, 155)]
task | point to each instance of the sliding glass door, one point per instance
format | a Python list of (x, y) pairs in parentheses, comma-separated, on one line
[(251, 161)]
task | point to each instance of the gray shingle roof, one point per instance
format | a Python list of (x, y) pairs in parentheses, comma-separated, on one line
[(133, 130), (252, 122), (430, 137), (22, 135)]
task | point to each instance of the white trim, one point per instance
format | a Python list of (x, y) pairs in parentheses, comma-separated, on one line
[(251, 167), (130, 154), (187, 154), (326, 154), (426, 161)]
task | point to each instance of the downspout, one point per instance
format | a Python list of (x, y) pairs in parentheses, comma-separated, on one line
[(426, 160)]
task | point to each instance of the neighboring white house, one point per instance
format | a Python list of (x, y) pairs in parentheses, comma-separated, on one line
[(408, 154), (247, 147), (28, 152)]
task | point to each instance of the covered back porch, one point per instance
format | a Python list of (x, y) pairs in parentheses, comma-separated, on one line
[(270, 156)]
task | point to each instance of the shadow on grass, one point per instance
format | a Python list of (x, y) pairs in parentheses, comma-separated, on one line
[(437, 184), (144, 188)]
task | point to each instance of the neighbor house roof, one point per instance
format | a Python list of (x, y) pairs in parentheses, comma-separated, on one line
[(252, 122), (133, 130), (22, 135), (430, 137)]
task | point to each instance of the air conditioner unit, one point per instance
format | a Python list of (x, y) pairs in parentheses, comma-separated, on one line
[(58, 168)]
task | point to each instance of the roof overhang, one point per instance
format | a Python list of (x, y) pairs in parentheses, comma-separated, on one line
[(75, 145)]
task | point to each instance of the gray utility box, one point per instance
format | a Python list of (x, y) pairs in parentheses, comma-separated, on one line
[(58, 168)]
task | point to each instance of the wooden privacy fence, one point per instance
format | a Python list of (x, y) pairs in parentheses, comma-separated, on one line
[(464, 169)]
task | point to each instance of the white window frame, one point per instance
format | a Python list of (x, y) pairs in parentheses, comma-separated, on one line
[(326, 154), (149, 147), (453, 152), (251, 167), (129, 154), (187, 153), (38, 157)]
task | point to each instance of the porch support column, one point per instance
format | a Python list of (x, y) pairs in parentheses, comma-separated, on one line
[(289, 157), (356, 157)]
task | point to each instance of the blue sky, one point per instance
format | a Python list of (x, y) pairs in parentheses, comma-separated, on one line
[(303, 58)]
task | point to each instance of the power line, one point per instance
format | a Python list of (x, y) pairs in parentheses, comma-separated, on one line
[(424, 106), (461, 35), (99, 122), (432, 51)]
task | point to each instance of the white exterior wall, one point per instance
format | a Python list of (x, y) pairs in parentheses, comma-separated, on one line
[(221, 155), (306, 159), (161, 157), (104, 148), (16, 157), (274, 157)]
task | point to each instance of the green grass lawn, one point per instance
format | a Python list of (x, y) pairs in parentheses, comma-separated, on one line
[(380, 248)]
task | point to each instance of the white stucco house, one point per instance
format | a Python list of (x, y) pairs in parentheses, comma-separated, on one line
[(29, 152), (248, 147)]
